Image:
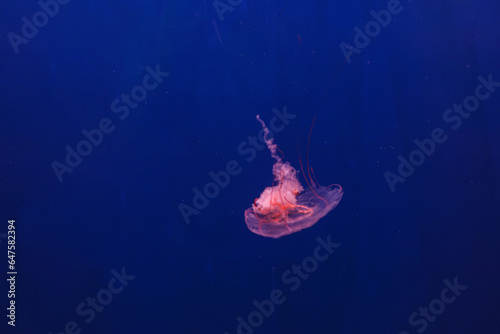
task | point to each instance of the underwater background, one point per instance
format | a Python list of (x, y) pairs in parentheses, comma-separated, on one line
[(130, 150)]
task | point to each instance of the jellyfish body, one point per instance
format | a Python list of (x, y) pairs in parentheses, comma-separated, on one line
[(286, 207)]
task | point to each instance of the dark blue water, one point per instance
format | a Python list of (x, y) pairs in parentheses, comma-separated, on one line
[(130, 151)]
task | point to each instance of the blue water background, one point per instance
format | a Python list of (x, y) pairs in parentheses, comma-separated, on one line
[(120, 207)]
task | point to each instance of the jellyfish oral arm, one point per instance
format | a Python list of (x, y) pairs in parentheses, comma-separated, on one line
[(284, 192), (269, 141)]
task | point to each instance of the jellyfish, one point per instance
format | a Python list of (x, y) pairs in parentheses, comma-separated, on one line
[(285, 207)]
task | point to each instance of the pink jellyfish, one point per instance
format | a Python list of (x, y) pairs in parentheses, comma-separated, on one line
[(286, 207)]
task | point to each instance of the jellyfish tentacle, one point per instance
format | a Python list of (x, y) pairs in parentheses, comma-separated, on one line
[(308, 144), (315, 179), (309, 184)]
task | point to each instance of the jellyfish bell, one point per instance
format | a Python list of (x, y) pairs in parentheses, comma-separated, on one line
[(283, 218), (286, 207)]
